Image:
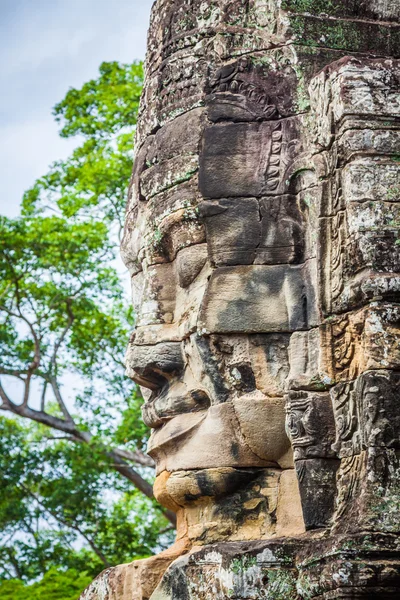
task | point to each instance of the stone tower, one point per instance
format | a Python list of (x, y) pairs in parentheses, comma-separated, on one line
[(262, 237)]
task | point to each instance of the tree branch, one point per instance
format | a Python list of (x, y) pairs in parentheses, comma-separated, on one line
[(75, 527), (43, 396), (69, 427), (60, 401), (36, 340), (135, 456)]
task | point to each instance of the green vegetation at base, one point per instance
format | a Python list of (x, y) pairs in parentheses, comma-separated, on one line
[(55, 585)]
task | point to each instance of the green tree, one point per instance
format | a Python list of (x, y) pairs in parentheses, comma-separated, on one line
[(62, 506), (55, 585), (64, 318)]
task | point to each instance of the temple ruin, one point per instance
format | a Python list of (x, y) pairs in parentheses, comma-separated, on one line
[(263, 240)]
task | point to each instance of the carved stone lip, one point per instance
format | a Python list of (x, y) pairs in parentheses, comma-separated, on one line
[(155, 413)]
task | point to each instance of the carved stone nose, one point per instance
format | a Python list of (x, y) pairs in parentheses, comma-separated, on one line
[(154, 366)]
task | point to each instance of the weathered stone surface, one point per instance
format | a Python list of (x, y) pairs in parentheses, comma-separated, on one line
[(251, 363), (310, 424), (251, 412), (367, 413), (234, 570), (234, 504), (172, 140), (352, 566), (247, 159), (235, 300), (248, 90), (136, 580), (262, 237), (189, 263), (230, 434), (233, 230), (282, 231), (317, 484), (368, 492), (245, 231), (310, 358)]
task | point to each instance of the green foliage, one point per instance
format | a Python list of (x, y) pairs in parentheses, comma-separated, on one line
[(55, 585), (104, 105), (64, 508), (62, 505), (93, 181)]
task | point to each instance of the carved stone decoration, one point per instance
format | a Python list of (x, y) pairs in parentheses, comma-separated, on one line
[(262, 238), (311, 428), (310, 425)]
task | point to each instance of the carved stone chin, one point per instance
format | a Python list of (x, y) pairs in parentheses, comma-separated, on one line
[(262, 236)]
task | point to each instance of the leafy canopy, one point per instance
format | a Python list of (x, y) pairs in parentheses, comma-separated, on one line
[(64, 323), (93, 181), (63, 507)]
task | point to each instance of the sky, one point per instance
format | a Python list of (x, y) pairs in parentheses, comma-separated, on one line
[(48, 46)]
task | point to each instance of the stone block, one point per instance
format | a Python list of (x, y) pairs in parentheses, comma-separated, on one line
[(240, 570), (251, 363), (358, 566), (189, 263), (151, 366), (379, 396), (159, 295), (289, 514), (234, 504), (361, 340), (175, 230), (358, 266), (310, 360), (317, 484), (247, 90), (165, 175), (371, 180), (368, 492), (282, 231), (172, 139), (365, 9), (247, 231), (347, 35), (258, 299), (233, 230), (162, 205), (262, 423), (372, 86), (246, 159), (270, 359), (377, 251), (366, 412), (356, 141), (132, 240), (175, 446)]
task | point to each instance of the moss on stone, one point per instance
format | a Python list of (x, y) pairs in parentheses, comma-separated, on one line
[(313, 6)]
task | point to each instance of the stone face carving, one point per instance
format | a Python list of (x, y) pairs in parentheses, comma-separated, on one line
[(262, 237)]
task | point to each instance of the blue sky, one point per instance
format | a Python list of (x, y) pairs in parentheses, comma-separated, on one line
[(46, 47)]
